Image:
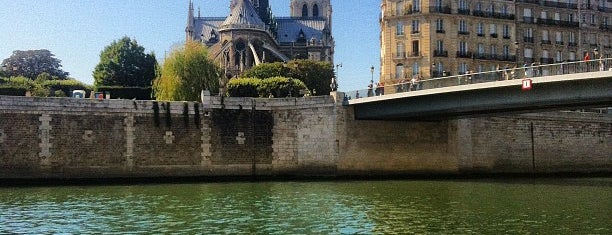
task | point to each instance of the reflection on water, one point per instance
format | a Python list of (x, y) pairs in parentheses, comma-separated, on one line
[(557, 206)]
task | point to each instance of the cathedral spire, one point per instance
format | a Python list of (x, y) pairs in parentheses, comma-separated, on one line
[(189, 30)]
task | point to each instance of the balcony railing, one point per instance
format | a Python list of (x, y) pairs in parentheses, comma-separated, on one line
[(463, 11), (572, 44), (604, 9), (546, 42), (506, 37), (443, 78), (464, 54), (529, 1), (464, 32), (559, 43), (493, 35), (440, 9), (547, 60), (440, 31), (440, 53), (399, 56), (605, 27), (528, 39), (480, 34), (528, 20)]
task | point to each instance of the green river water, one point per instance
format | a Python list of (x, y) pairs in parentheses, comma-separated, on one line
[(500, 206)]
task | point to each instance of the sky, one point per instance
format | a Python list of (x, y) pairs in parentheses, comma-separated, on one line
[(76, 31)]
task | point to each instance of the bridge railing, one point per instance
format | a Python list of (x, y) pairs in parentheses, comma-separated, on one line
[(528, 71)]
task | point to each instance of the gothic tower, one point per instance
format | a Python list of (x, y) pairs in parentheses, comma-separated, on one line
[(313, 9)]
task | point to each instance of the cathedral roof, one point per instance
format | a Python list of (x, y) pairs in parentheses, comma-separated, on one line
[(205, 26), (243, 15), (289, 29)]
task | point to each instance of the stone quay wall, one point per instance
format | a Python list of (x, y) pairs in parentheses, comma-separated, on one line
[(63, 138)]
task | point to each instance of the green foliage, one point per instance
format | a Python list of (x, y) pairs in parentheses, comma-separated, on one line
[(316, 75), (125, 63), (32, 63), (281, 87), (243, 87), (59, 93), (138, 93), (267, 70), (276, 86), (185, 73), (42, 87)]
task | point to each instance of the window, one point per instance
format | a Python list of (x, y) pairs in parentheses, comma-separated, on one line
[(315, 10), (440, 45), (416, 5), (440, 67), (463, 47), (545, 54), (559, 57), (463, 68), (399, 31), (506, 50), (415, 48), (399, 71), (527, 12), (401, 52), (493, 49), (528, 53), (572, 56), (463, 5), (440, 26), (304, 10), (438, 4), (559, 37), (479, 6), (480, 68), (415, 26), (505, 10), (545, 35), (493, 29), (480, 29), (492, 9), (557, 16), (463, 26), (593, 20), (571, 17), (506, 31), (399, 8), (572, 37), (415, 68), (481, 49), (543, 15)]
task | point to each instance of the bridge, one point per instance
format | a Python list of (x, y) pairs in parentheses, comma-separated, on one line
[(560, 86)]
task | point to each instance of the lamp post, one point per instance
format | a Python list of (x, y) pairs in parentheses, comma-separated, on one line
[(334, 82), (516, 52)]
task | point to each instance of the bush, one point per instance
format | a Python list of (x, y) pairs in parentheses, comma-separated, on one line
[(243, 87), (138, 93), (66, 86), (281, 87), (13, 91)]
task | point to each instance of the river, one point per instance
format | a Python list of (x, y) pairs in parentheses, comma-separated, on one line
[(499, 206)]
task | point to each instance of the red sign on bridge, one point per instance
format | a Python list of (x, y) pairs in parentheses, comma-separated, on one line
[(527, 84)]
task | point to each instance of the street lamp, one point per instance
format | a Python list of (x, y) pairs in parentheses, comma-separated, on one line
[(516, 52)]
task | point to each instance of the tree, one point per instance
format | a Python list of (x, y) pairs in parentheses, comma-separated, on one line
[(316, 75), (32, 63), (185, 73), (125, 63)]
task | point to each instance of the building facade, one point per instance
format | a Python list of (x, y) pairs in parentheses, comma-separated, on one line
[(435, 38), (252, 35)]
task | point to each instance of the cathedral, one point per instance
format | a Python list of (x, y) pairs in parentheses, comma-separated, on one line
[(252, 35)]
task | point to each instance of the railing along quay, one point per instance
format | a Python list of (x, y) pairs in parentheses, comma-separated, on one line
[(525, 71)]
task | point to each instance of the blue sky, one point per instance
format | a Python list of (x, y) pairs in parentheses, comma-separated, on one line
[(76, 31)]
